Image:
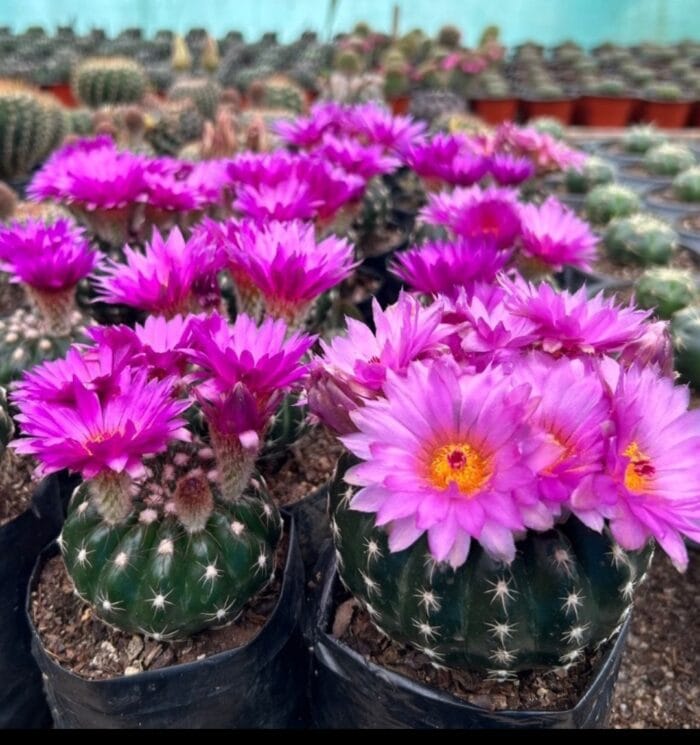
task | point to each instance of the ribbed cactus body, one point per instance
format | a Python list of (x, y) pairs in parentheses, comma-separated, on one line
[(640, 239), (668, 159), (203, 92), (595, 172), (640, 139), (665, 290), (686, 185), (568, 591), (149, 575), (375, 207), (607, 201), (99, 81), (282, 94), (7, 428), (180, 122), (685, 330)]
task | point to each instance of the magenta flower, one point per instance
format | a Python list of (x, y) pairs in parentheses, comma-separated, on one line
[(165, 344), (571, 324), (442, 454), (650, 488), (353, 368), (378, 126), (95, 434), (353, 157), (445, 266), (48, 257), (290, 200), (654, 347), (446, 158), (171, 276), (167, 185), (288, 266), (510, 170), (257, 169), (545, 152), (306, 132), (553, 235)]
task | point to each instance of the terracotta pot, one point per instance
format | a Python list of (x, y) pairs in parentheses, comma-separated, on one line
[(63, 93), (561, 109), (605, 111), (400, 105), (667, 114), (496, 110), (694, 120)]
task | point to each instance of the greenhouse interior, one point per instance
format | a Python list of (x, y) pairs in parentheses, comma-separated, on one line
[(350, 364)]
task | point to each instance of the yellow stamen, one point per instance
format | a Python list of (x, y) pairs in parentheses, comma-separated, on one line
[(639, 470), (460, 464)]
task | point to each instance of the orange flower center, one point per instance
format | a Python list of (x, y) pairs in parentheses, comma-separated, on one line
[(639, 470), (458, 464)]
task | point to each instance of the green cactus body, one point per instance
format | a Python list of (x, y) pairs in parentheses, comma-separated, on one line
[(25, 342), (203, 92), (686, 185), (668, 159), (375, 209), (568, 590), (595, 172), (289, 424), (685, 331), (548, 125), (179, 123), (283, 95), (607, 201), (27, 130), (665, 290), (643, 138), (99, 81), (7, 429), (148, 574), (640, 239)]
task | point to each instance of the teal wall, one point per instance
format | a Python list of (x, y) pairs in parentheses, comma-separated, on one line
[(549, 21)]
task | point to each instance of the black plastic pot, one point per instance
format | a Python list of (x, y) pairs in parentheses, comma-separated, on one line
[(664, 208), (607, 150), (312, 525), (22, 701), (641, 184), (689, 238), (259, 685), (349, 691)]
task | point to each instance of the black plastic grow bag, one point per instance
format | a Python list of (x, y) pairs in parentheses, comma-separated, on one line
[(259, 685), (349, 691)]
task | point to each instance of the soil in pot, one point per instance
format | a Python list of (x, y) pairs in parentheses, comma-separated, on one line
[(16, 486)]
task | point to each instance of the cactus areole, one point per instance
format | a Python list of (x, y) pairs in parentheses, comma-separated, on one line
[(568, 590)]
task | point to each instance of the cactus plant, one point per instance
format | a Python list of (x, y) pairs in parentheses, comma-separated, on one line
[(594, 172), (449, 37), (7, 428), (640, 239), (432, 104), (180, 59), (548, 125), (277, 92), (686, 185), (668, 159), (203, 92), (685, 331), (665, 290), (610, 200), (178, 123), (375, 208), (210, 55), (109, 80), (663, 91), (642, 138)]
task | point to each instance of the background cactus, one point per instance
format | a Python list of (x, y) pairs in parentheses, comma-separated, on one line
[(686, 185), (168, 574), (595, 172), (640, 239), (685, 330), (567, 591), (642, 138), (668, 159), (178, 123), (432, 104), (665, 290), (109, 80), (7, 428), (607, 201), (278, 93), (449, 37), (203, 92), (375, 209)]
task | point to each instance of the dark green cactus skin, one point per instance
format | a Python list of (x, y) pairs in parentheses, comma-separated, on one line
[(665, 290), (203, 93), (640, 239), (375, 209), (685, 331), (80, 121), (23, 345), (686, 185), (280, 96), (98, 82), (7, 428), (161, 581), (288, 426), (568, 590), (610, 200), (179, 124), (595, 172), (27, 133)]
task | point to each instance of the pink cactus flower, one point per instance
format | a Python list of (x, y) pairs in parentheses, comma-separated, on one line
[(510, 170), (353, 157), (376, 125), (446, 158)]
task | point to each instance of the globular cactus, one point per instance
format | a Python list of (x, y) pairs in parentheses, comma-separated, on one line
[(178, 123), (432, 104), (80, 121), (396, 81), (595, 171), (348, 62), (663, 91), (686, 185), (640, 239), (549, 126), (210, 59), (98, 81), (638, 75), (567, 591), (607, 201), (375, 208), (277, 92), (180, 59), (668, 159), (183, 559), (665, 290), (685, 331), (449, 37), (203, 92), (7, 428), (25, 342), (642, 138)]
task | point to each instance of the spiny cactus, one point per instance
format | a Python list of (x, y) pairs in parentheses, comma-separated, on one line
[(375, 209), (686, 185), (347, 62), (595, 171), (181, 59), (549, 126), (642, 138), (665, 290), (277, 92), (640, 239), (568, 589), (203, 92), (80, 121), (182, 559), (663, 91), (210, 55), (8, 202), (178, 123), (396, 81), (7, 428), (109, 80), (449, 37), (685, 330), (668, 159), (610, 200), (431, 104)]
